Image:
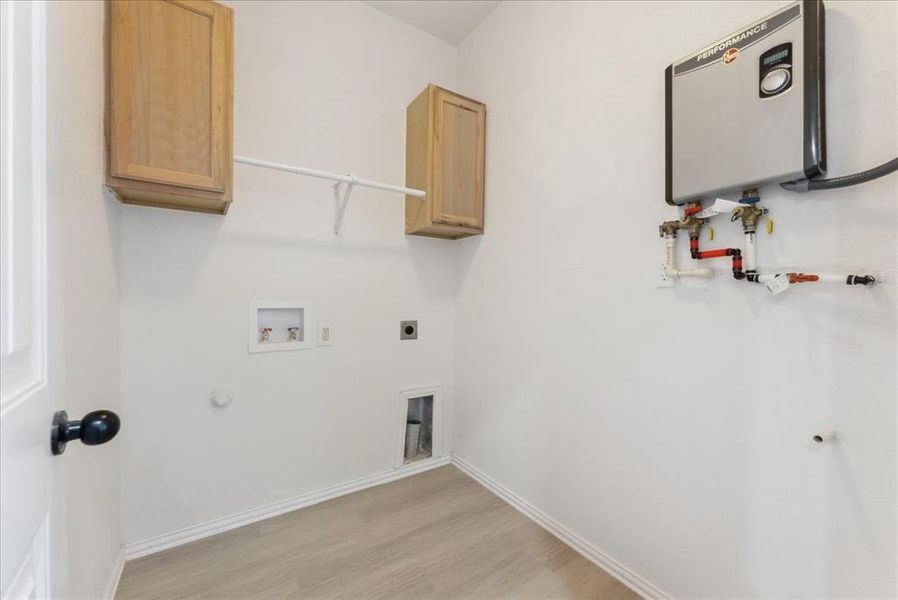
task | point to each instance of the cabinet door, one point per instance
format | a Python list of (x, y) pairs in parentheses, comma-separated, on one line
[(458, 160), (170, 92)]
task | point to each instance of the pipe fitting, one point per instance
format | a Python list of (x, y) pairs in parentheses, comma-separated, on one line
[(824, 435), (750, 196), (668, 229), (670, 269), (749, 214), (860, 280), (694, 226), (692, 208)]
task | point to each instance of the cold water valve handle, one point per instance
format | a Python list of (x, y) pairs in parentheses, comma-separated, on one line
[(97, 427)]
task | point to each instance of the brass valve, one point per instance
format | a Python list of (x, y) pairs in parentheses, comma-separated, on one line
[(749, 215), (668, 228), (693, 225), (689, 222)]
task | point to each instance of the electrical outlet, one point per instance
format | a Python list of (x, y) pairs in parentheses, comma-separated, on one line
[(408, 330), (325, 335)]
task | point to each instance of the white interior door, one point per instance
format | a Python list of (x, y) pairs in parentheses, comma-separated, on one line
[(25, 410)]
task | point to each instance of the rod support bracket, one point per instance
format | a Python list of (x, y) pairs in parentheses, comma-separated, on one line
[(341, 203)]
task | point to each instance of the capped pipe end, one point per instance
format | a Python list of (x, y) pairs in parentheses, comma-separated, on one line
[(823, 436), (860, 280)]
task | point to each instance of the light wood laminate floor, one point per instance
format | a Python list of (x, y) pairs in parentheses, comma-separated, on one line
[(439, 534)]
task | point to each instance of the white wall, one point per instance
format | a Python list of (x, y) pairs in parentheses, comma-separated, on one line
[(670, 427), (324, 85), (84, 301)]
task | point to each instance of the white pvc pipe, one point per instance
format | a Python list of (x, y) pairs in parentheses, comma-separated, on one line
[(822, 277), (832, 278), (670, 266), (749, 254), (750, 257), (701, 273), (331, 176)]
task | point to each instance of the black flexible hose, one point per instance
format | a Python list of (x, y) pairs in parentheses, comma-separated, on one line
[(805, 185)]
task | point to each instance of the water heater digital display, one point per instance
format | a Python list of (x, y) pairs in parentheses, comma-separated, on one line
[(748, 109), (777, 56)]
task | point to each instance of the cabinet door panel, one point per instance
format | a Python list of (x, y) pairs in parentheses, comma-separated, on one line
[(458, 161), (169, 90)]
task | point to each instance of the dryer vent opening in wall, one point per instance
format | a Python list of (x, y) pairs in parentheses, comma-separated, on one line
[(418, 429), (419, 426)]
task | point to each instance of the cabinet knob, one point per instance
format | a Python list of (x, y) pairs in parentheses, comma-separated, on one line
[(95, 428)]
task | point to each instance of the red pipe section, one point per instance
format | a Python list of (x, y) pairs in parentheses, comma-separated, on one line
[(719, 253), (736, 253)]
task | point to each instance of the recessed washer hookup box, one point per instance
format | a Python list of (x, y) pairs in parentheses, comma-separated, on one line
[(748, 109)]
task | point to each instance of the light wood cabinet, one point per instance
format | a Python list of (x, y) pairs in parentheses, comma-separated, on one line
[(445, 146), (169, 103)]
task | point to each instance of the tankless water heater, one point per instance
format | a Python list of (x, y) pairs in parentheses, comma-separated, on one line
[(748, 109)]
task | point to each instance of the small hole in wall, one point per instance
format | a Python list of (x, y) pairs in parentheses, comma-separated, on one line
[(409, 330), (818, 439)]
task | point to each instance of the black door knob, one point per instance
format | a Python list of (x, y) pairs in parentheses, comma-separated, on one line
[(97, 427)]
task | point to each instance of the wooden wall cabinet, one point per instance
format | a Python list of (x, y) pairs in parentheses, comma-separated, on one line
[(169, 103), (444, 156)]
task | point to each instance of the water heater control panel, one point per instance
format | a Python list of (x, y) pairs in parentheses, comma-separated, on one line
[(775, 70)]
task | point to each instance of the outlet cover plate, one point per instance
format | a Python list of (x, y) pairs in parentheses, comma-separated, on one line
[(325, 335), (408, 330)]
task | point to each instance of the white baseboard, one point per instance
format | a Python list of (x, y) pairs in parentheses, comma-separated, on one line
[(633, 581), (115, 576), (220, 525)]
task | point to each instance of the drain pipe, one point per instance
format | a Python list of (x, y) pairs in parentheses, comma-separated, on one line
[(670, 268)]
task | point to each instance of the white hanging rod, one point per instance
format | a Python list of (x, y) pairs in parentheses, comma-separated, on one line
[(332, 176)]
